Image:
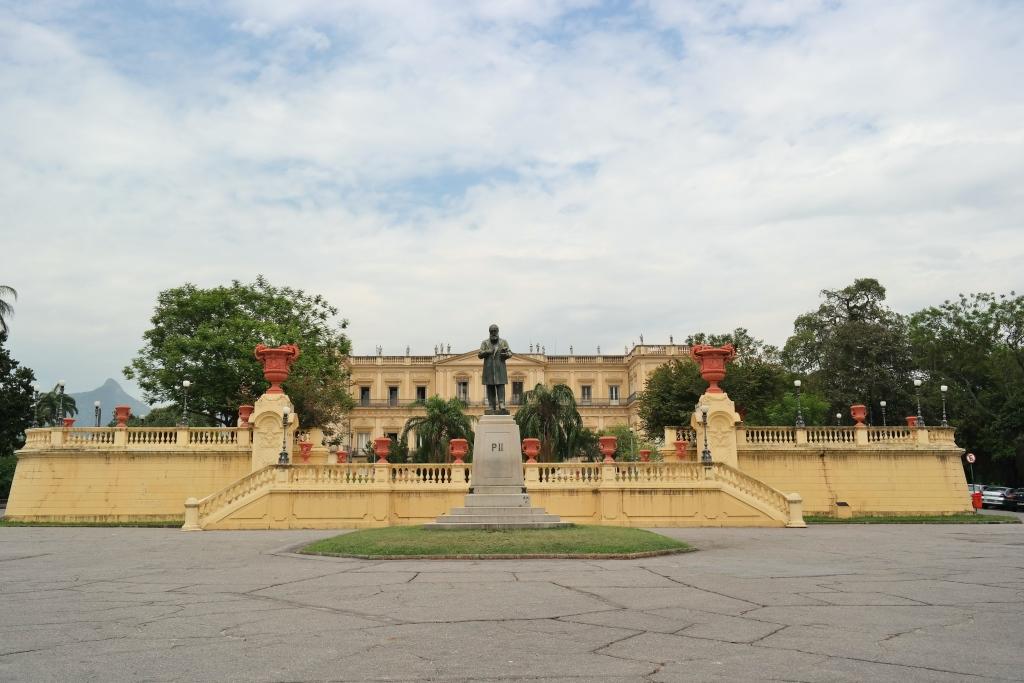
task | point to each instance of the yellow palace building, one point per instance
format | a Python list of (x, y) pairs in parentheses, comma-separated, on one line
[(388, 390)]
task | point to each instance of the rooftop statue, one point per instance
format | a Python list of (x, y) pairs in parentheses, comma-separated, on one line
[(495, 351)]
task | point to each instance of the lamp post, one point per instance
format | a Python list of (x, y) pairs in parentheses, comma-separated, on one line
[(60, 402), (839, 419), (705, 455), (883, 404), (944, 389), (799, 411), (917, 393), (96, 412), (184, 403), (283, 458)]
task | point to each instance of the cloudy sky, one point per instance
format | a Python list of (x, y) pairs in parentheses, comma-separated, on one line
[(580, 172)]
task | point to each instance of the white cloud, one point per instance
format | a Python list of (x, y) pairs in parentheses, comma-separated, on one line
[(581, 176)]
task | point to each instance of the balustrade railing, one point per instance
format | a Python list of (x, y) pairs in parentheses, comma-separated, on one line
[(94, 437), (665, 472), (770, 435), (890, 434), (251, 483), (137, 438), (754, 488), (152, 436), (347, 474), (423, 474), (212, 437), (825, 435), (568, 472)]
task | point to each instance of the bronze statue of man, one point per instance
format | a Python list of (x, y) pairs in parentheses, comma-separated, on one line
[(495, 351)]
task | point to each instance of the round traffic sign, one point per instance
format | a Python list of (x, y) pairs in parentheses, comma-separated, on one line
[(971, 458)]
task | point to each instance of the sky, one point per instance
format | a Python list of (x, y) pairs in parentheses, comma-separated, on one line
[(579, 172)]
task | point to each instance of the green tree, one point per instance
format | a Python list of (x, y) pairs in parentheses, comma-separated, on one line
[(16, 411), (208, 336), (551, 416), (628, 443), (669, 397), (166, 416), (854, 349), (586, 445), (443, 421), (975, 345), (6, 309), (51, 407)]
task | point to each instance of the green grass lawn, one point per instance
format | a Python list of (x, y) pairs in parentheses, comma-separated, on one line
[(149, 524), (415, 541), (966, 518)]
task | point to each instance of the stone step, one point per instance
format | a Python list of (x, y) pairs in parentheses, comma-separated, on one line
[(450, 526), (497, 490), (498, 519), (498, 510), (497, 500)]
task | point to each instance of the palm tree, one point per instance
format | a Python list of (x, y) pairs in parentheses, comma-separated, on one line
[(551, 416), (51, 407), (444, 420), (6, 309)]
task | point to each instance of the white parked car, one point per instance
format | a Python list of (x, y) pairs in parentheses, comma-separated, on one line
[(992, 497)]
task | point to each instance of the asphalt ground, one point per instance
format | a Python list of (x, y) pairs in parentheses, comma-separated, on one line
[(827, 603)]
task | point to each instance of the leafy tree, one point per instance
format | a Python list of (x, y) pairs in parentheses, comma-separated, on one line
[(51, 407), (16, 411), (669, 397), (975, 345), (628, 443), (551, 416), (6, 309), (854, 349), (443, 421), (586, 445), (815, 410), (208, 335), (166, 416)]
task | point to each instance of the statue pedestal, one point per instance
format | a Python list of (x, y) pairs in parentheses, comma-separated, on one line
[(498, 498)]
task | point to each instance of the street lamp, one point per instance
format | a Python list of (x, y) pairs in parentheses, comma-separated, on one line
[(917, 392), (944, 389), (799, 412), (96, 412), (60, 402), (839, 419), (883, 404), (705, 455), (283, 458), (184, 403)]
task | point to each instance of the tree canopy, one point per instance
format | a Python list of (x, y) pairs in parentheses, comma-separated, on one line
[(443, 421), (207, 336), (550, 415), (16, 411)]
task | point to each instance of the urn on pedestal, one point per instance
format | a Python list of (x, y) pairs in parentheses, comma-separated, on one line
[(712, 360), (277, 364)]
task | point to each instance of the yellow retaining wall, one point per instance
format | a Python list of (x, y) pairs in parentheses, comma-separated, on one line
[(111, 486), (871, 482)]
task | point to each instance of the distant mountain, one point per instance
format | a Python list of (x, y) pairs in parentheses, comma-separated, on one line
[(109, 395)]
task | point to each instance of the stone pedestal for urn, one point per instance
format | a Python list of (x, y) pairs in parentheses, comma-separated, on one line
[(498, 498)]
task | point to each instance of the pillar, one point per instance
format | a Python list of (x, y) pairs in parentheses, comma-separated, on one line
[(722, 421), (266, 429)]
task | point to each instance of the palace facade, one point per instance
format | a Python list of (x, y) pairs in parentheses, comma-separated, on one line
[(390, 389)]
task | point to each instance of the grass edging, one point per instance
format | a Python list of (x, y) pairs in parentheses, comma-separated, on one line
[(152, 524), (417, 543), (969, 518)]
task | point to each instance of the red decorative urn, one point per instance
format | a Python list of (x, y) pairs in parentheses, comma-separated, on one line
[(858, 412), (244, 412), (305, 447), (531, 447), (122, 413), (645, 455), (342, 456), (277, 364), (381, 448), (712, 360), (680, 449), (911, 420), (458, 448), (68, 422), (608, 447)]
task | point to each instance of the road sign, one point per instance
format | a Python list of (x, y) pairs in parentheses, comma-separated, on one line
[(971, 458)]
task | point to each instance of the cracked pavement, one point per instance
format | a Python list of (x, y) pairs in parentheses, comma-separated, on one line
[(827, 603)]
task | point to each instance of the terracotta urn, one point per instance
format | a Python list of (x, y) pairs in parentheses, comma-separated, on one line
[(305, 447), (858, 412), (608, 447), (381, 448), (680, 449), (277, 364), (712, 360), (531, 447), (342, 456), (122, 413), (911, 420), (68, 422), (244, 412), (645, 455), (458, 449)]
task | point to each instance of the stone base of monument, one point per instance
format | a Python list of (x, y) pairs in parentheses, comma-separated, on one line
[(498, 499)]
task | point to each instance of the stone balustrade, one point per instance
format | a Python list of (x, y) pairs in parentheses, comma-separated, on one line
[(184, 439)]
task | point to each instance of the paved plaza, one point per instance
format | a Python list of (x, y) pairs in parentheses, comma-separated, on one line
[(827, 603)]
